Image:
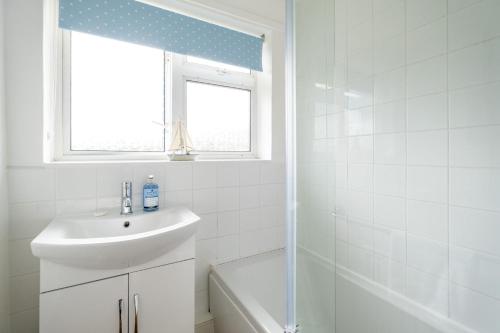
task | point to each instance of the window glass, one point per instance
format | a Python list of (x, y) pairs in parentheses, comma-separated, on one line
[(117, 95), (218, 117)]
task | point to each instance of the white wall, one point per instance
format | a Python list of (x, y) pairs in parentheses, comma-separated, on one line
[(4, 259), (411, 128), (241, 203)]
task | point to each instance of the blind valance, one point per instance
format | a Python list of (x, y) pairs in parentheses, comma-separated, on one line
[(136, 22)]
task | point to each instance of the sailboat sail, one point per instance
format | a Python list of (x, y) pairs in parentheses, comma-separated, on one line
[(181, 139)]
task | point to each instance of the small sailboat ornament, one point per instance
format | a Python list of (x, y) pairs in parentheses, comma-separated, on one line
[(181, 145)]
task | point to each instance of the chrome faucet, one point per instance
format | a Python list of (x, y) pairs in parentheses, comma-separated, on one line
[(126, 206)]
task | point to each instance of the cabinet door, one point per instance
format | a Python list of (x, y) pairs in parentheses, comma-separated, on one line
[(162, 299), (92, 307)]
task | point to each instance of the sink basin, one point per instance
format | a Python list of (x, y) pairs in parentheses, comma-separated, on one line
[(114, 241)]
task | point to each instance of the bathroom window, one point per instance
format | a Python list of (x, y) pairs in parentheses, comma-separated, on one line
[(123, 99), (116, 96)]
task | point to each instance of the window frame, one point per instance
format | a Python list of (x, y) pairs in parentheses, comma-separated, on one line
[(178, 71), (185, 72)]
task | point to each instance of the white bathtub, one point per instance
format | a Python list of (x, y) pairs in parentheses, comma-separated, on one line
[(248, 295)]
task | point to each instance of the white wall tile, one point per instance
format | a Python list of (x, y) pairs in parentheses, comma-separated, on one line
[(361, 149), (390, 244), (475, 147), (389, 53), (475, 270), (361, 177), (476, 188), (421, 12), (428, 184), (360, 65), (390, 180), (179, 177), (249, 197), (474, 310), (250, 173), (475, 229), (427, 219), (474, 24), (207, 227), (428, 148), (76, 183), (390, 212), (390, 117), (360, 235), (228, 198), (389, 273), (428, 112), (337, 124), (427, 41), (389, 20), (427, 256), (390, 86), (250, 219), (21, 259), (41, 184), (205, 201), (228, 174), (228, 223), (24, 292), (272, 195), (428, 290), (390, 148), (361, 261), (204, 175), (110, 178), (27, 220), (179, 198), (455, 5), (360, 206), (418, 77), (78, 206), (359, 37), (475, 106), (25, 321), (360, 94), (227, 248), (361, 121), (474, 65)]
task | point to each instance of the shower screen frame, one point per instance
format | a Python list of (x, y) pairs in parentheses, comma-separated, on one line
[(291, 323)]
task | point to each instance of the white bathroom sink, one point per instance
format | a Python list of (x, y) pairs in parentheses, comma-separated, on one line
[(114, 241)]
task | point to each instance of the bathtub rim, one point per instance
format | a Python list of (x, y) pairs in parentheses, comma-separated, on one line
[(248, 306)]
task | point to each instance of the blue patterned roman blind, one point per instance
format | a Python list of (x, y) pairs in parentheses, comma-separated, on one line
[(135, 22)]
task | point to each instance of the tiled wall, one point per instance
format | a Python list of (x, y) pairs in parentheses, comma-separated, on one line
[(4, 259), (398, 134), (241, 205), (414, 135)]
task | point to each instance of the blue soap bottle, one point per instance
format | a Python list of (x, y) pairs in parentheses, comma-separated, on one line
[(151, 197)]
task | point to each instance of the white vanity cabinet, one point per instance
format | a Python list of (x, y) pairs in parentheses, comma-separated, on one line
[(90, 307), (153, 300), (162, 299)]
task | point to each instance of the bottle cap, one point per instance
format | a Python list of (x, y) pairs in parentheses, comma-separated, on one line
[(151, 177)]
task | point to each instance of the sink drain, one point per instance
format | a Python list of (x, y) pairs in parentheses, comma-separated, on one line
[(126, 224)]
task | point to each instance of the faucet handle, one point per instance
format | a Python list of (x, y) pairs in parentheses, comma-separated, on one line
[(127, 189)]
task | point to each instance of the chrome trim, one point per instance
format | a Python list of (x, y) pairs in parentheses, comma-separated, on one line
[(136, 313), (120, 314), (126, 205), (290, 168)]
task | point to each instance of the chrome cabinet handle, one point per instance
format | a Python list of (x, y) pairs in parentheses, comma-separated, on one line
[(136, 308), (120, 311)]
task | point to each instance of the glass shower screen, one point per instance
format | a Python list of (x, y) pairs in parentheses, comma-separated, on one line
[(394, 166)]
